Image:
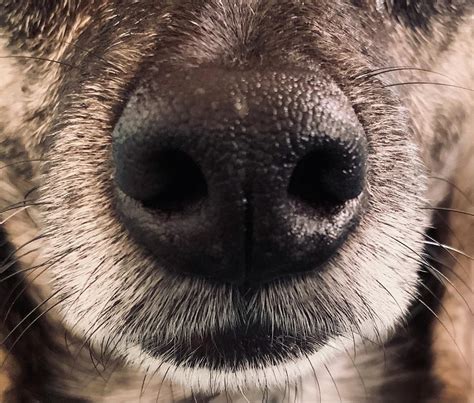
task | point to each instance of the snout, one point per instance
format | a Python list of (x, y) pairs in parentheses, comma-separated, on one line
[(241, 177)]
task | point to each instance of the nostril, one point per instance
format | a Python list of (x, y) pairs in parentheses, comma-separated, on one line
[(169, 180), (328, 177), (180, 182)]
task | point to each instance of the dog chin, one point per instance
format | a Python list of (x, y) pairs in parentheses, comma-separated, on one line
[(197, 379), (262, 374)]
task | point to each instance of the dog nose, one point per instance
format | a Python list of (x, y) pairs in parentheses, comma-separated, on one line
[(241, 177)]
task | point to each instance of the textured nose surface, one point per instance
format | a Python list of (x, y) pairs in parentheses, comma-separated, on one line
[(242, 177)]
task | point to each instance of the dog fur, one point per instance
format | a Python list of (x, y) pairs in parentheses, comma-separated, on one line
[(399, 293)]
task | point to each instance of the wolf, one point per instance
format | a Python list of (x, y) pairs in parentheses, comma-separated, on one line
[(236, 200)]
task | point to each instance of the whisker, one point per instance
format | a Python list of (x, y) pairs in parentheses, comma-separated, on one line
[(450, 251), (142, 388), (41, 315), (161, 384), (371, 341), (446, 329), (22, 291), (112, 370), (434, 242), (88, 52), (385, 70), (86, 285), (12, 215), (11, 264), (451, 210), (25, 287), (463, 281), (442, 279), (22, 205), (435, 272), (428, 83), (439, 301), (5, 166), (45, 301), (95, 365), (11, 255), (27, 194), (107, 347), (334, 382), (39, 58), (315, 377), (17, 204), (366, 394), (155, 372), (392, 296), (90, 335), (454, 186), (449, 230)]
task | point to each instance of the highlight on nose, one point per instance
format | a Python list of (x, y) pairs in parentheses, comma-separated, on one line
[(239, 177)]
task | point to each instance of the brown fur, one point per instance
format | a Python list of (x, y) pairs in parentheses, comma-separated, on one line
[(453, 334), (42, 103)]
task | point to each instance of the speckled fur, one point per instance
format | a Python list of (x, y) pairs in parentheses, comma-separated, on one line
[(59, 116)]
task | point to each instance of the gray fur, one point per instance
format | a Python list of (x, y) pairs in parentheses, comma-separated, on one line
[(62, 113)]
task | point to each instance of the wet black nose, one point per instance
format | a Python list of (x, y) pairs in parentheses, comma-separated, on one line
[(241, 177)]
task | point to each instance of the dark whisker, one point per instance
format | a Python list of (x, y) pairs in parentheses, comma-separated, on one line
[(435, 272), (86, 285), (438, 301), (161, 384), (26, 197), (448, 267), (87, 52), (89, 337), (23, 204), (334, 382), (428, 83), (442, 279), (142, 388), (21, 162), (41, 59), (14, 252), (155, 372), (80, 48), (445, 328), (41, 315), (391, 296), (315, 377), (384, 70), (36, 308), (7, 266), (25, 287), (95, 365), (29, 192), (18, 296), (454, 186)]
